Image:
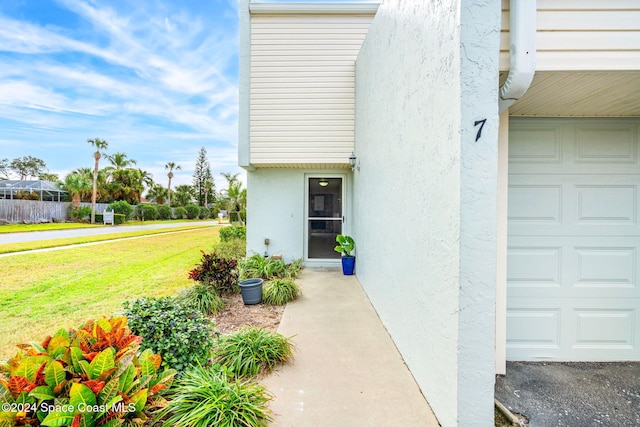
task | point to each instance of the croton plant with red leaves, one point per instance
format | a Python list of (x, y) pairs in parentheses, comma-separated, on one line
[(94, 376)]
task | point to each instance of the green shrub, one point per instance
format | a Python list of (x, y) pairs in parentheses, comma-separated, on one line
[(146, 212), (99, 218), (80, 213), (164, 212), (203, 298), (204, 212), (233, 232), (205, 397), (179, 333), (233, 249), (265, 268), (280, 291), (192, 211), (121, 207), (179, 212), (252, 350), (119, 219), (99, 366), (218, 272)]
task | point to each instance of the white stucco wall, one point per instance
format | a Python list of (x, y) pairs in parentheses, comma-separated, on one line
[(275, 210), (425, 194), (276, 201)]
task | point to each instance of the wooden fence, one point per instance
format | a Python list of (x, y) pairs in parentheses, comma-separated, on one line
[(36, 211)]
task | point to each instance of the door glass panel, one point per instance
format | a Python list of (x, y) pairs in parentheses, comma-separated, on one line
[(325, 217)]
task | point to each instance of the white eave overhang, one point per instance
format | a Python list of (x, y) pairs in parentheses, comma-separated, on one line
[(313, 8)]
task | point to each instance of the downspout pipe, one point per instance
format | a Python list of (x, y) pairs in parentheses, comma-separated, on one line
[(522, 58)]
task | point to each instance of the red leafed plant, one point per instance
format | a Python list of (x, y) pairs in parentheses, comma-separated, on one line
[(93, 376), (217, 272)]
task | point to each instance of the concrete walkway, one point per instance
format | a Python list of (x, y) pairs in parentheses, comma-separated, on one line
[(347, 370)]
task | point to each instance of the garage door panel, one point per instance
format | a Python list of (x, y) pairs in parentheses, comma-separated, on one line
[(606, 268), (574, 205), (570, 329), (605, 328), (573, 240), (539, 143), (539, 204), (531, 267), (606, 143), (535, 331), (606, 205), (573, 268)]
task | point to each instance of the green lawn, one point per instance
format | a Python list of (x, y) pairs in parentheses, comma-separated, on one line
[(42, 244), (20, 228), (42, 292)]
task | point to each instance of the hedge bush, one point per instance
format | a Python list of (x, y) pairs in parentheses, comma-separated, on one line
[(179, 212), (121, 207), (80, 213), (119, 219), (233, 232), (146, 212), (205, 213), (164, 212), (180, 334), (192, 211)]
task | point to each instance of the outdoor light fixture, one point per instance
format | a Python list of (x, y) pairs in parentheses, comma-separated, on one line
[(352, 160), (323, 182)]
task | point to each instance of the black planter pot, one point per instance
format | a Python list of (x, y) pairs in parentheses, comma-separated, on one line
[(251, 290), (348, 265)]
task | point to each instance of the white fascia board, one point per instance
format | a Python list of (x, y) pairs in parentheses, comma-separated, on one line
[(313, 8)]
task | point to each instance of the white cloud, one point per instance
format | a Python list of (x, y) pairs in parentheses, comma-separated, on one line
[(152, 80)]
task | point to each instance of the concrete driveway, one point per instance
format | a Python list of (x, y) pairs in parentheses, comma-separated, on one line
[(576, 394), (81, 232)]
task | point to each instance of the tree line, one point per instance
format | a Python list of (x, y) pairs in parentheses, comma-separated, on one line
[(120, 179)]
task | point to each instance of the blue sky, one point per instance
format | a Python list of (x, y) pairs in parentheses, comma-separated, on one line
[(157, 79)]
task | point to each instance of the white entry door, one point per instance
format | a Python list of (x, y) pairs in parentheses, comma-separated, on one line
[(574, 240)]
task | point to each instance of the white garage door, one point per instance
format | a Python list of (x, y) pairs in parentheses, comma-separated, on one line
[(574, 240)]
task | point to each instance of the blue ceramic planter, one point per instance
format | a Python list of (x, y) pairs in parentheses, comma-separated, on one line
[(348, 265)]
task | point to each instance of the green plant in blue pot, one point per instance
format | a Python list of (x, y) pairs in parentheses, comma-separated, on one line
[(345, 246)]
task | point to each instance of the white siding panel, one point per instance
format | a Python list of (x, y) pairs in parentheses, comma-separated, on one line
[(302, 88), (585, 35)]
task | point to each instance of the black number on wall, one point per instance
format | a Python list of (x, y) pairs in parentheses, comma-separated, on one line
[(481, 123)]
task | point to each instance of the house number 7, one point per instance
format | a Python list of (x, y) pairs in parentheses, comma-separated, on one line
[(481, 123)]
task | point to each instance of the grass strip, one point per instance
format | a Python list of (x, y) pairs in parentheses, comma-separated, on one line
[(24, 228), (44, 244), (42, 292)]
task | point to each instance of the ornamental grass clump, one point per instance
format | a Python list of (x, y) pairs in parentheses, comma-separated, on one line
[(206, 397), (280, 291), (251, 350), (92, 376), (203, 298)]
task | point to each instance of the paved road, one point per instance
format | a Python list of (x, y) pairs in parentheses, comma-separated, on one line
[(81, 232)]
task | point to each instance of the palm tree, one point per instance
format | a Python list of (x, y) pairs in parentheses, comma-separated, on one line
[(184, 194), (170, 166), (100, 145), (146, 178), (157, 193), (76, 184), (120, 161), (235, 195)]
